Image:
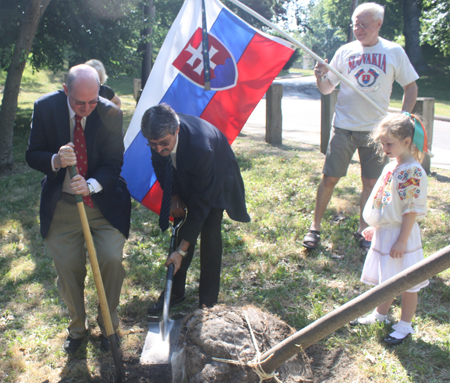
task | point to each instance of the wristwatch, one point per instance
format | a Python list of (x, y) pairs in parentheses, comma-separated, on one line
[(181, 252), (91, 188)]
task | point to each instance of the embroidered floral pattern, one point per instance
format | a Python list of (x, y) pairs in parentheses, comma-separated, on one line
[(383, 194), (409, 183)]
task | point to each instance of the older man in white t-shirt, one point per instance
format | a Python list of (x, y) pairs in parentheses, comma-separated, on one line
[(372, 64)]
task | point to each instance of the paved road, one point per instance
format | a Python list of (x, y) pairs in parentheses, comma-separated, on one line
[(301, 119)]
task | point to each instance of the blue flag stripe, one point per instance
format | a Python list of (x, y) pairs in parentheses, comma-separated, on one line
[(138, 157)]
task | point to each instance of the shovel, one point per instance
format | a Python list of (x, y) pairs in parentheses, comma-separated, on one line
[(115, 350), (161, 343)]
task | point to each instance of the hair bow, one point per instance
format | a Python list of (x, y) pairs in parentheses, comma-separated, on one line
[(420, 135)]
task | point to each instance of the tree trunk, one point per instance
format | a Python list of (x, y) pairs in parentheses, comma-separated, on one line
[(147, 47), (334, 320), (350, 35), (19, 58), (411, 30)]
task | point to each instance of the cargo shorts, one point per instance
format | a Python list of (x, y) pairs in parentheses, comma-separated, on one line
[(341, 148)]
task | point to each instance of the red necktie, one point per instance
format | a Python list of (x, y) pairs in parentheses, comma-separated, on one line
[(81, 152)]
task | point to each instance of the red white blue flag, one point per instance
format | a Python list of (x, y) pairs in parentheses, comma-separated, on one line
[(243, 62)]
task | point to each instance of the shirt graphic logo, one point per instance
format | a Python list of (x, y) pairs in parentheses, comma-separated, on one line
[(223, 70), (366, 80)]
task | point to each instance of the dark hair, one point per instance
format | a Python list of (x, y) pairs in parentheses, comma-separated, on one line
[(398, 125), (159, 121)]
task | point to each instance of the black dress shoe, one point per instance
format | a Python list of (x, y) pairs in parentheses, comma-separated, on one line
[(158, 306), (71, 345), (394, 341), (104, 343)]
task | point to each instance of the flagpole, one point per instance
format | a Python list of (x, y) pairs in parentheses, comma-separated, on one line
[(310, 52)]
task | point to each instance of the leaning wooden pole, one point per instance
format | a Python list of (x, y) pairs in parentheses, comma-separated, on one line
[(338, 318)]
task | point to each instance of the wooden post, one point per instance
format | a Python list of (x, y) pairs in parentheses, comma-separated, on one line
[(326, 117), (274, 119), (137, 89), (424, 109)]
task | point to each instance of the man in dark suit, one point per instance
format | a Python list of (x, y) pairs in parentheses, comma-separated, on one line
[(68, 126), (206, 181)]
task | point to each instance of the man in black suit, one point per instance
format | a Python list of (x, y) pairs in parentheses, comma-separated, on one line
[(206, 181), (96, 124)]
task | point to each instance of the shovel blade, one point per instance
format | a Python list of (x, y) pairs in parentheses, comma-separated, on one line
[(161, 343)]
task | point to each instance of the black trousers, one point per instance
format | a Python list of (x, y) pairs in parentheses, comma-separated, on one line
[(210, 261)]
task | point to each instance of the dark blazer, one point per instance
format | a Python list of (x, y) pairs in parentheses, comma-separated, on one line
[(50, 129), (207, 174)]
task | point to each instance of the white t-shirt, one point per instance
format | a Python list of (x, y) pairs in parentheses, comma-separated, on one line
[(373, 70)]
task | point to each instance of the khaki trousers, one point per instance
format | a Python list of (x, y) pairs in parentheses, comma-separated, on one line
[(65, 243)]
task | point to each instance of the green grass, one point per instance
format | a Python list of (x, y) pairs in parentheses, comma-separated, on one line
[(264, 264), (435, 83)]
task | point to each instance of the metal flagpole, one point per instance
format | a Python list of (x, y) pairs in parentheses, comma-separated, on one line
[(310, 52), (205, 47)]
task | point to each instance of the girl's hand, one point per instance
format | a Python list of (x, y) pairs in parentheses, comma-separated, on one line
[(367, 233), (398, 249)]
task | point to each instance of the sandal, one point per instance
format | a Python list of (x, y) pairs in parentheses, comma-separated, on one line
[(363, 243), (312, 239)]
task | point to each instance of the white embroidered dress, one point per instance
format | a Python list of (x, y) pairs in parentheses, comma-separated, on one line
[(399, 190)]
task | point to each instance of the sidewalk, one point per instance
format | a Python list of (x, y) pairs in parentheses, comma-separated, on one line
[(301, 120)]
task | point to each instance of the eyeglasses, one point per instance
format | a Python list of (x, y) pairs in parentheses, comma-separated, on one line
[(82, 103), (362, 25), (163, 143)]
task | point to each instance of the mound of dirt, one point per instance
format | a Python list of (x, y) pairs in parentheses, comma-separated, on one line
[(223, 332)]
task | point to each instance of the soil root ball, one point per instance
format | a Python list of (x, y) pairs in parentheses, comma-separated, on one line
[(223, 332)]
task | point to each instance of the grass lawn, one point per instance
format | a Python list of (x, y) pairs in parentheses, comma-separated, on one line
[(264, 264)]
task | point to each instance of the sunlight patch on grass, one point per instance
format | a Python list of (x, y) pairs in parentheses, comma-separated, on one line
[(264, 264)]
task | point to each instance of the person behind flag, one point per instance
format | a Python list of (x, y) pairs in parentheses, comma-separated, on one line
[(105, 91), (206, 181), (57, 118), (372, 64)]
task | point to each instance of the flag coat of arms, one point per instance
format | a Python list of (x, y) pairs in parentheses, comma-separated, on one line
[(242, 64)]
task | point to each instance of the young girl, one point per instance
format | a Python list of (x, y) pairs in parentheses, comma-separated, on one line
[(396, 204)]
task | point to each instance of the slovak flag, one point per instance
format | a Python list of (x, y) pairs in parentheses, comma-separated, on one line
[(243, 62)]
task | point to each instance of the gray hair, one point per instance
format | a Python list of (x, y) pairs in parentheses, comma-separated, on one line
[(376, 10), (159, 121), (81, 71), (99, 67)]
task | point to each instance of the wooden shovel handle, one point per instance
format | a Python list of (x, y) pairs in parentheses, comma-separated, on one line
[(99, 282)]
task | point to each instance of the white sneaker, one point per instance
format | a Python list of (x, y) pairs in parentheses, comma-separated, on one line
[(372, 318)]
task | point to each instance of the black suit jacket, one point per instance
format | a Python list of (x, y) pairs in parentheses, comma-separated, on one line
[(50, 129), (207, 174)]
